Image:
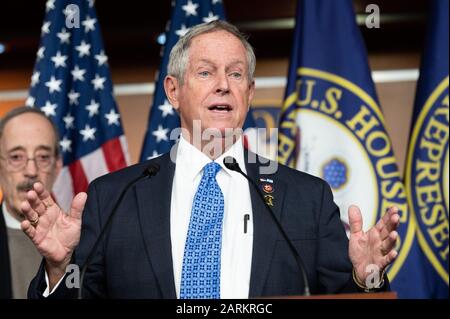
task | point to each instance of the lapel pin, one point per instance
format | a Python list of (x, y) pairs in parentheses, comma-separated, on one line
[(268, 188), (269, 199), (266, 180)]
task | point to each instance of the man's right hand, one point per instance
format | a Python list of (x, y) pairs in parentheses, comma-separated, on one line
[(54, 233)]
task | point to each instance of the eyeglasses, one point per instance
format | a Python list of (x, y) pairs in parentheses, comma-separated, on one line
[(18, 160)]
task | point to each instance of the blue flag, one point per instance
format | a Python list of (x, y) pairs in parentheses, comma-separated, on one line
[(71, 84), (331, 124), (163, 118), (427, 169)]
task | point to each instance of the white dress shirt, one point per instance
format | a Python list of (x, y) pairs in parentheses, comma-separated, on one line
[(236, 255), (10, 221)]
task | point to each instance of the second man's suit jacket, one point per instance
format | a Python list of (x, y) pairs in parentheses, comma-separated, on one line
[(5, 267)]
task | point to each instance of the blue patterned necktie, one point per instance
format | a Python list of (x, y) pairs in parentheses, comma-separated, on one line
[(200, 275)]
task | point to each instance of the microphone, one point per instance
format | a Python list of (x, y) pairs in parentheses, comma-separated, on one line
[(233, 165), (150, 171)]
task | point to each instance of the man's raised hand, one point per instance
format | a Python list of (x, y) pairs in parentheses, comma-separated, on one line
[(54, 233), (376, 247)]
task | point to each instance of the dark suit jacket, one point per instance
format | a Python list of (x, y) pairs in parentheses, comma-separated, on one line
[(135, 260), (5, 271)]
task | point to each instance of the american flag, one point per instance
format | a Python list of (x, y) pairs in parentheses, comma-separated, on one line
[(163, 118), (71, 84)]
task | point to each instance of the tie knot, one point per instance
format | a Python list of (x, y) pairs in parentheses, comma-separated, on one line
[(211, 169)]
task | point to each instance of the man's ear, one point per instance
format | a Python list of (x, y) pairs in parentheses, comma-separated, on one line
[(172, 88), (58, 164), (251, 93)]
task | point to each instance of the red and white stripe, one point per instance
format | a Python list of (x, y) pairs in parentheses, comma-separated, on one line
[(75, 178)]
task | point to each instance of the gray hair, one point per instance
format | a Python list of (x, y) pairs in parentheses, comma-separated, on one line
[(178, 59), (23, 110)]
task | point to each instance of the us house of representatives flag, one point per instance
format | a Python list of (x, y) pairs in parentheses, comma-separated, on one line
[(71, 84), (427, 169), (331, 124), (163, 118)]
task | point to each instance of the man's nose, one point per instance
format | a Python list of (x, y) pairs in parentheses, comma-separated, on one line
[(30, 169), (223, 86)]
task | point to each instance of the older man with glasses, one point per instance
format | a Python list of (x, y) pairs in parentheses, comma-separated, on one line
[(29, 152)]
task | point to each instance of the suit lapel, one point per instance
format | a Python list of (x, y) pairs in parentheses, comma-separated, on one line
[(154, 198), (265, 232)]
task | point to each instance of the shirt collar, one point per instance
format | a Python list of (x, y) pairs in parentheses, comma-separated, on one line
[(191, 160), (10, 221)]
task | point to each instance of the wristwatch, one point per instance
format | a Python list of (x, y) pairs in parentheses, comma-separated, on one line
[(375, 287)]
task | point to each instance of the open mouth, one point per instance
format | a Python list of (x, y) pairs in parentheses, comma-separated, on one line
[(220, 108)]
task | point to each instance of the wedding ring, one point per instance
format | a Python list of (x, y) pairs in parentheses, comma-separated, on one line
[(35, 221)]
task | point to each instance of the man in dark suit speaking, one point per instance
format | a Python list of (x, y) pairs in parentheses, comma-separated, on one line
[(197, 229)]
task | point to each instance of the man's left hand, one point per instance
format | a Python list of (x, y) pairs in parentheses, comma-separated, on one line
[(374, 247)]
